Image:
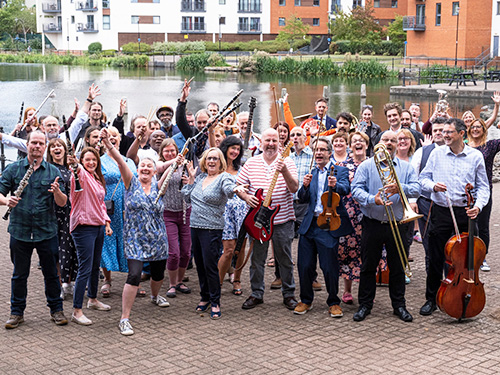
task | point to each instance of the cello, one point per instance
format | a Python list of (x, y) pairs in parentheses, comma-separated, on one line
[(329, 219), (461, 294)]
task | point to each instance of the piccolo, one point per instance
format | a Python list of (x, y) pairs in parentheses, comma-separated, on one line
[(22, 185), (20, 117), (37, 110), (74, 168)]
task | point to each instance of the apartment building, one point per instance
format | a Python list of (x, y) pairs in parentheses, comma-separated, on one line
[(74, 24), (495, 29), (447, 28)]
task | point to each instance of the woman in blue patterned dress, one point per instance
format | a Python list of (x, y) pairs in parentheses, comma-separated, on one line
[(113, 257), (234, 214), (144, 233), (350, 246)]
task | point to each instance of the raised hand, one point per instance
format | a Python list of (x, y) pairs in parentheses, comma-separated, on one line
[(123, 106), (496, 97), (94, 91), (186, 89)]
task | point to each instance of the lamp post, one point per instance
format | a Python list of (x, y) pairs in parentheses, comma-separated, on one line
[(139, 33), (456, 37)]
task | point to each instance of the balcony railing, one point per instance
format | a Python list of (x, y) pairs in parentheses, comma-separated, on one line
[(250, 7), (51, 28), (195, 27), (190, 6), (51, 7), (249, 29), (88, 27), (87, 6), (413, 23)]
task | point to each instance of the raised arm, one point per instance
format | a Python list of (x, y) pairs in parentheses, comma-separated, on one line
[(496, 100), (124, 169)]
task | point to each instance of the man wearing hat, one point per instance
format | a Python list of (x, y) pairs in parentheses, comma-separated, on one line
[(165, 114)]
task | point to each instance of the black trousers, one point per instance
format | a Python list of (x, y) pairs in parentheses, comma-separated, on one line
[(441, 229), (374, 236), (424, 205)]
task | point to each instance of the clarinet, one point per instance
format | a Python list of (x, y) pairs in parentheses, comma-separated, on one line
[(21, 187), (73, 167), (20, 118)]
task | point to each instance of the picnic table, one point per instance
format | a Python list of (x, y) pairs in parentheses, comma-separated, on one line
[(462, 78)]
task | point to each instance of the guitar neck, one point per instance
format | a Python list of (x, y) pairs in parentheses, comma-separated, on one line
[(267, 199)]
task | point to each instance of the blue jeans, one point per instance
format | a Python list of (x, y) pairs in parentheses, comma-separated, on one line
[(207, 245), (88, 241), (20, 255)]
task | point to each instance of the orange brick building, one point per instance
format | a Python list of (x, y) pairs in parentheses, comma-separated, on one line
[(385, 11), (312, 12), (432, 28)]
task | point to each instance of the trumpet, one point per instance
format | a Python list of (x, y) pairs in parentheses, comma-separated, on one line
[(387, 173)]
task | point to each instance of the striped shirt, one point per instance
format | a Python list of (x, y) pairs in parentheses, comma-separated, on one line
[(258, 174), (302, 162), (87, 206)]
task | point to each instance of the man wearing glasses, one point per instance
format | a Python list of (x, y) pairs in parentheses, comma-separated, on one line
[(376, 229), (448, 170)]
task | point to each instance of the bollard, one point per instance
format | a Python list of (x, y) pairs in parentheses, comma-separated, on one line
[(326, 92), (485, 78), (404, 77), (363, 90), (418, 76)]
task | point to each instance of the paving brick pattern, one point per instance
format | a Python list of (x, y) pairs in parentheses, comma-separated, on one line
[(266, 340)]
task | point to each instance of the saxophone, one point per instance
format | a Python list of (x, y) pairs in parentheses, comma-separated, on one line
[(21, 187)]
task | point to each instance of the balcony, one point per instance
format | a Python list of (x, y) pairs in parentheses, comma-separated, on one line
[(51, 7), (88, 27), (413, 23), (244, 28), (51, 28), (86, 6), (196, 27), (250, 7), (193, 6)]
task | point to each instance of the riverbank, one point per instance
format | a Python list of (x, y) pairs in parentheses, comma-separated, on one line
[(477, 91), (69, 59)]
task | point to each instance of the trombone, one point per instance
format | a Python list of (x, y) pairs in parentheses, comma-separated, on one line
[(388, 176)]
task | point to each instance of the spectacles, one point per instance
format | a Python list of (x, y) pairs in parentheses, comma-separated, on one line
[(445, 132), (295, 135), (404, 139), (358, 141), (322, 150), (389, 140), (212, 158), (417, 104), (368, 106), (476, 127)]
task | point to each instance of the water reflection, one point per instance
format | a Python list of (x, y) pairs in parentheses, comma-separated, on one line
[(145, 88)]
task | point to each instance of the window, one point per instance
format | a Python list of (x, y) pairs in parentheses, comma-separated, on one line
[(105, 4), (356, 3), (156, 1), (156, 20), (336, 6), (199, 5), (281, 21), (298, 3), (106, 23), (133, 1), (186, 23), (282, 3), (199, 23), (438, 14), (376, 3), (316, 3), (254, 24), (315, 21), (135, 19), (222, 2), (394, 3), (222, 20), (498, 8), (455, 8), (72, 19)]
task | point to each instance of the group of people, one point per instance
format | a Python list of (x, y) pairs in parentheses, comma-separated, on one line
[(150, 200)]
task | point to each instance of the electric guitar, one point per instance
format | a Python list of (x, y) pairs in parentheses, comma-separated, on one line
[(248, 153), (259, 220)]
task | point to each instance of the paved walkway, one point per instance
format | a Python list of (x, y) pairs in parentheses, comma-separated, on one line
[(469, 91), (266, 340)]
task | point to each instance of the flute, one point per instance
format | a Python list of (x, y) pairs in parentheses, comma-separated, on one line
[(74, 168), (22, 185), (20, 118), (37, 110)]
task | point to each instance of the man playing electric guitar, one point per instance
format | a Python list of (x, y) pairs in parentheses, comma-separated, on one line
[(257, 173)]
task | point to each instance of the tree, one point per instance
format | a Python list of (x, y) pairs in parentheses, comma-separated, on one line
[(395, 30), (293, 31), (357, 26), (16, 18)]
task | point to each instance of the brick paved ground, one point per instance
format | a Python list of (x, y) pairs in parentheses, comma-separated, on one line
[(267, 339)]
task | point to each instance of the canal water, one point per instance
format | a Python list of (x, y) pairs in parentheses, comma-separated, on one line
[(145, 88)]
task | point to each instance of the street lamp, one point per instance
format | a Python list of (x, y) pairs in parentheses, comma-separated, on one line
[(139, 33), (456, 38)]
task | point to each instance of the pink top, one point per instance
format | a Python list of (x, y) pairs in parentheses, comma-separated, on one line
[(87, 206), (258, 174)]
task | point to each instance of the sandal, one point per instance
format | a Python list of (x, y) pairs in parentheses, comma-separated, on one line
[(215, 314), (237, 291), (202, 308), (270, 262), (183, 288), (347, 298), (171, 292), (141, 292), (106, 289)]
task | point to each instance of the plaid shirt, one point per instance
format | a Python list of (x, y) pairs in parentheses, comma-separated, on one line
[(34, 218), (303, 162)]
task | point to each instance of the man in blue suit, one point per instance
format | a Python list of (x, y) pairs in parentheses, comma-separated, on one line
[(315, 242), (321, 107)]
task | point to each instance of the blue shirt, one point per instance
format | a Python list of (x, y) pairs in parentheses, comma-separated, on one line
[(366, 185), (455, 171), (322, 175)]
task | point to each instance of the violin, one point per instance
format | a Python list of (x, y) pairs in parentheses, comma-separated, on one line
[(461, 294), (329, 219)]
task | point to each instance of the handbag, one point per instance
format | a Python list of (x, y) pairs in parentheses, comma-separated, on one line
[(110, 204)]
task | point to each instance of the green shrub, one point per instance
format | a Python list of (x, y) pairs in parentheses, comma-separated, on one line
[(178, 47), (108, 53), (95, 47), (193, 62), (386, 47), (134, 48), (216, 59)]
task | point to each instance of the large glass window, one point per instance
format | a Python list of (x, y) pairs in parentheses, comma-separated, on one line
[(394, 3), (376, 3), (106, 23), (105, 4), (156, 19), (255, 24), (135, 19), (438, 14)]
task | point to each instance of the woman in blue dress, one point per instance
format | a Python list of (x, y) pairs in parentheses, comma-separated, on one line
[(144, 232), (113, 257)]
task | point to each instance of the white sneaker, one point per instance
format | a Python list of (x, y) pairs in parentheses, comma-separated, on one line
[(83, 320), (98, 306), (67, 288), (160, 301), (485, 267), (126, 328)]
